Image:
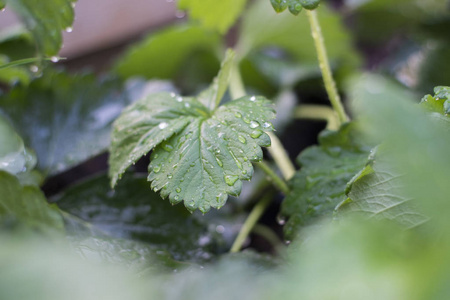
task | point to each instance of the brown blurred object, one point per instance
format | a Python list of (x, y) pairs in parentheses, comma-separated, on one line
[(102, 24)]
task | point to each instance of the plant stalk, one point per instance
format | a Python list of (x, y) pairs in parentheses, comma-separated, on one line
[(281, 157), (330, 84), (277, 181), (318, 112), (250, 222)]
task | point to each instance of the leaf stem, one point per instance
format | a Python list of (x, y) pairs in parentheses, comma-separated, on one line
[(281, 157), (250, 222), (237, 89), (277, 181), (267, 233), (318, 112), (330, 84)]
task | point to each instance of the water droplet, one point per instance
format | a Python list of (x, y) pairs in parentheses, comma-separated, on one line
[(167, 147), (238, 163), (267, 125), (256, 133), (247, 120), (69, 29), (163, 125), (252, 98), (165, 187), (237, 115), (220, 228), (242, 139), (176, 198), (244, 172), (54, 59), (169, 176), (254, 124), (220, 134), (219, 162), (231, 179), (155, 156), (178, 189), (192, 164), (34, 68), (157, 168), (281, 220), (155, 189), (179, 98)]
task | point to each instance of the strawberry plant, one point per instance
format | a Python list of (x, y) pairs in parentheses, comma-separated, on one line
[(170, 175)]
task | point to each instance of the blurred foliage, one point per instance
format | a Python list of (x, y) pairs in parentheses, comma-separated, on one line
[(98, 243)]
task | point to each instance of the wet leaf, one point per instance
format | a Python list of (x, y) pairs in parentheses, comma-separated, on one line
[(320, 184), (65, 119), (46, 20), (200, 156), (134, 212), (217, 15)]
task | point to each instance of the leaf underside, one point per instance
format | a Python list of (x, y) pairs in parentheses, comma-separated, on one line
[(320, 184), (199, 157), (378, 192)]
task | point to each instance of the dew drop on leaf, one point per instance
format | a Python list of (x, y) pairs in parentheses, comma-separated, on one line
[(256, 133), (163, 125), (231, 179), (242, 139), (157, 168), (167, 147), (254, 124), (237, 115), (178, 190)]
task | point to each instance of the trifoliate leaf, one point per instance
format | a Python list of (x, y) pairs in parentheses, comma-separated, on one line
[(46, 20), (200, 156), (27, 205), (320, 184), (213, 14), (440, 102), (377, 192)]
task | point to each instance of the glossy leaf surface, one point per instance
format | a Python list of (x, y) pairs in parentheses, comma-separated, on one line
[(65, 119)]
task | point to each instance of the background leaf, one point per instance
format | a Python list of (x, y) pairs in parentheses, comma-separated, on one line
[(45, 20), (134, 212), (320, 184), (217, 15), (161, 54), (65, 119), (27, 205), (378, 193)]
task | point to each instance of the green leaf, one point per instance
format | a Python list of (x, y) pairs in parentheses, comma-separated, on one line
[(217, 15), (212, 96), (440, 102), (134, 212), (199, 156), (378, 193), (46, 20), (295, 7), (262, 28), (279, 5), (133, 256), (161, 54), (14, 157), (27, 205), (310, 4), (320, 184), (65, 119), (418, 145)]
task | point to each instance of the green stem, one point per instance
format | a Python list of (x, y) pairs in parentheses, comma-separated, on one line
[(277, 181), (318, 112), (281, 157), (269, 235), (237, 89), (250, 222), (330, 84)]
